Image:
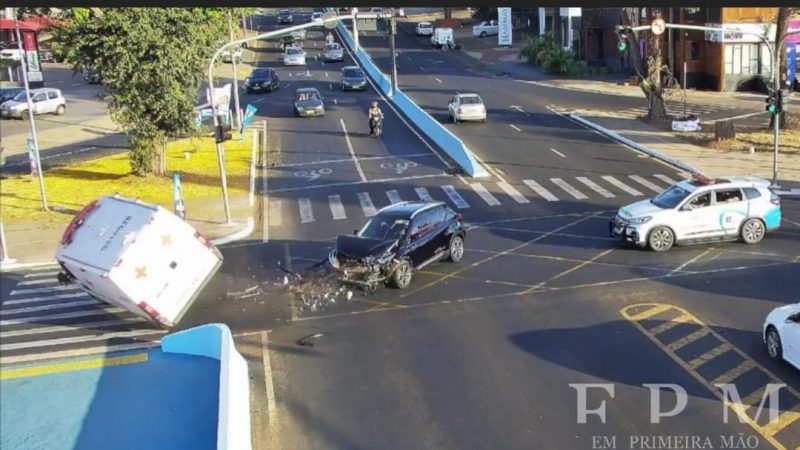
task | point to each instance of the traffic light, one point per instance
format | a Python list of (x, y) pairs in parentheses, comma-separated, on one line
[(772, 102), (622, 34)]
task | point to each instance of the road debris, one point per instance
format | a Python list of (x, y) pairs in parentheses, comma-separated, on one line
[(306, 340)]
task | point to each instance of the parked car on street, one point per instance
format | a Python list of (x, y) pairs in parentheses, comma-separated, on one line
[(285, 17), (294, 56), (45, 101), (399, 240), (229, 55), (299, 35), (262, 79), (467, 106), (782, 334), (7, 93), (701, 210), (308, 102), (11, 53), (424, 29), (353, 78), (486, 28), (317, 17), (333, 52)]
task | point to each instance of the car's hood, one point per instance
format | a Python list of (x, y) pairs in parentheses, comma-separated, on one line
[(307, 103), (13, 103), (350, 246), (260, 80), (333, 50), (639, 209), (780, 313)]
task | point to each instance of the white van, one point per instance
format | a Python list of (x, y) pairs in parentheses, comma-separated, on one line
[(441, 37), (137, 256)]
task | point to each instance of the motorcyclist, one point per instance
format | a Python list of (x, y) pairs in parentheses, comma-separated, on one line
[(374, 115), (329, 37)]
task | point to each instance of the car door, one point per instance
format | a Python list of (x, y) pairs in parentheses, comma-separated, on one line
[(440, 235), (790, 337), (52, 102), (691, 221), (419, 247), (730, 209), (39, 103)]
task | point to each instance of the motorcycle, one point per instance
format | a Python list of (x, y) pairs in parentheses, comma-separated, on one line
[(376, 126)]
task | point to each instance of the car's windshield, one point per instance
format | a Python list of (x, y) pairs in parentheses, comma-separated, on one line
[(425, 25), (20, 97), (302, 96), (670, 198), (293, 51), (331, 46), (471, 100), (384, 228), (261, 73), (284, 13), (353, 73)]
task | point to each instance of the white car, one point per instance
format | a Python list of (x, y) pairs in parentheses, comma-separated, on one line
[(486, 28), (45, 101), (333, 52), (10, 53), (316, 17), (228, 55), (424, 29), (465, 107), (782, 334), (294, 56), (701, 210)]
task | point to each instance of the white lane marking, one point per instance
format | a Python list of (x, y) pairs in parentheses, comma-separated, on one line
[(422, 69), (665, 179), (423, 194), (43, 290), (337, 209), (363, 158), (353, 152), (335, 102), (71, 327), (326, 74), (41, 274), (569, 188), (484, 194), (306, 213), (366, 204), (43, 299), (73, 340), (455, 197), (539, 189), (270, 389), (519, 108), (513, 193), (646, 183), (621, 185), (72, 304), (595, 187), (394, 196), (558, 153), (330, 86), (438, 80), (258, 100), (70, 315), (514, 127), (275, 218), (42, 281)]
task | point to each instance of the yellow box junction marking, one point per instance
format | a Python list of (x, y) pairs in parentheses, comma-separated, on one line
[(649, 311), (34, 371)]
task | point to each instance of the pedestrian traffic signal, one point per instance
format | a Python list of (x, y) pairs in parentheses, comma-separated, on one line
[(773, 101), (622, 34)]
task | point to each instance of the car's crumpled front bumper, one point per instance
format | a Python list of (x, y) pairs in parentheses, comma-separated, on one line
[(624, 231)]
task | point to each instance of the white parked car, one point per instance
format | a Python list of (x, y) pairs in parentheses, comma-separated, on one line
[(294, 56), (486, 28), (424, 29), (333, 52), (316, 17), (782, 334), (10, 53), (467, 107), (45, 101), (701, 210), (228, 55)]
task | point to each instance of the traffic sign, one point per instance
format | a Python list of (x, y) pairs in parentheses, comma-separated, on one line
[(329, 15), (658, 26)]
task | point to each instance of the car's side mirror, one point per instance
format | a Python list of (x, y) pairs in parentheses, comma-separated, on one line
[(793, 318), (355, 231)]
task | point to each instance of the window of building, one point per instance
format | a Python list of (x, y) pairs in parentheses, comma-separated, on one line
[(743, 59), (694, 51), (695, 14)]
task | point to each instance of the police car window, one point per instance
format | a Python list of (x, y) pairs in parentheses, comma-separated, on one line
[(728, 195), (701, 200), (751, 193)]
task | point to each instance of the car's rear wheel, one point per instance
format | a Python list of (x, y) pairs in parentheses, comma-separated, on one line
[(753, 231), (61, 110), (401, 277), (660, 239), (774, 345), (456, 249), (24, 115), (483, 34)]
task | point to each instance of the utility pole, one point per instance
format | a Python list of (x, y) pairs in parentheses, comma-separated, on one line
[(235, 76), (392, 33), (355, 29), (24, 70)]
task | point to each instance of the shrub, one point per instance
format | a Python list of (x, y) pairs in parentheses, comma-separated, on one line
[(544, 52)]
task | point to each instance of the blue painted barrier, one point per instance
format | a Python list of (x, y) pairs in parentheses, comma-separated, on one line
[(441, 136)]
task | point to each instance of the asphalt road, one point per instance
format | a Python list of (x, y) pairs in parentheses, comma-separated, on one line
[(479, 354)]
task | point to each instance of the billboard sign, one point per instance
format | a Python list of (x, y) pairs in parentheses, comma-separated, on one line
[(504, 26)]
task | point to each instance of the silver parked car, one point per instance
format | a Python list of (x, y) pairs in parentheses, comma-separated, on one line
[(45, 101)]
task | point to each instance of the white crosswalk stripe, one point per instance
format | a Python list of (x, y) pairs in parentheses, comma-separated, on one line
[(41, 274), (595, 187), (455, 197), (366, 204), (46, 298), (306, 213), (62, 305), (569, 189), (337, 209), (484, 193), (423, 194), (69, 315), (394, 196), (43, 290), (621, 185), (513, 193), (77, 339), (544, 193), (52, 280), (665, 179), (275, 218), (647, 183)]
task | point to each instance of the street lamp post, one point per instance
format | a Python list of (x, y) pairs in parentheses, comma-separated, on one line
[(392, 33)]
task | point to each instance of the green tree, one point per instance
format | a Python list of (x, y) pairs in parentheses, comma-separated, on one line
[(152, 62)]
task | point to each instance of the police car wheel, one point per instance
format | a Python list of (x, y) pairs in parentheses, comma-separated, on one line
[(752, 231), (660, 239)]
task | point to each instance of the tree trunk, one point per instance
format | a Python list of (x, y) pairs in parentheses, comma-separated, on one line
[(782, 27), (655, 92), (160, 157), (448, 13), (724, 129)]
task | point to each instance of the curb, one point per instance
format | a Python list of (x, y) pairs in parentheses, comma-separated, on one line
[(235, 236), (636, 146)]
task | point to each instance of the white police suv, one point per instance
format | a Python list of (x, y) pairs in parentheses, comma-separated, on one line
[(782, 334), (701, 210)]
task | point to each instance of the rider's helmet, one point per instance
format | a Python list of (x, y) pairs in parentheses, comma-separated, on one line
[(374, 104)]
